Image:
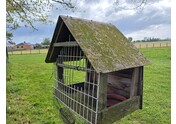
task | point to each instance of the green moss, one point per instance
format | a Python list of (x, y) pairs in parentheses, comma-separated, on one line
[(104, 45)]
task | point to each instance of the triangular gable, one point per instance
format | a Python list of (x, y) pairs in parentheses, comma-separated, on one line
[(61, 34), (103, 44)]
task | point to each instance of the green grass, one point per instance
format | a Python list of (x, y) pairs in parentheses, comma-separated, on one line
[(157, 90), (29, 90)]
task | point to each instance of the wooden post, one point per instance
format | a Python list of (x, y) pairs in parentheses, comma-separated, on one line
[(102, 94), (153, 45), (139, 45), (134, 83), (102, 91), (39, 50), (21, 52), (160, 44), (146, 45), (30, 51), (59, 73), (167, 44), (140, 86)]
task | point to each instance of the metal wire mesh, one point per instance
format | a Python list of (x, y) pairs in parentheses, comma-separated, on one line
[(76, 83)]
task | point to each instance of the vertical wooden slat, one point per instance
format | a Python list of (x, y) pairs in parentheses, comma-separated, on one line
[(134, 83)]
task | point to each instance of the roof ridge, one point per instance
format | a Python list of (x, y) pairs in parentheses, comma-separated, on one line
[(87, 20)]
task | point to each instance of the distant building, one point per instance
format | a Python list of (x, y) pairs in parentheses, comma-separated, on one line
[(10, 45), (24, 46)]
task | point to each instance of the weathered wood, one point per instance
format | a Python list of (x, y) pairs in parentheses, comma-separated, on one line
[(102, 92), (117, 80), (102, 99), (67, 43), (113, 90), (140, 86), (59, 73), (134, 83), (54, 41), (127, 73), (116, 112)]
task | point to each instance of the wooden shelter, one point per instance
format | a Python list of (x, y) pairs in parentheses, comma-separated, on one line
[(99, 73)]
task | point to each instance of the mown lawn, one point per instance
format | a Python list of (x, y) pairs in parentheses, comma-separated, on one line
[(29, 90)]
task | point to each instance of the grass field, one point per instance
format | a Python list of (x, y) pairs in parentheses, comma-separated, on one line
[(29, 90)]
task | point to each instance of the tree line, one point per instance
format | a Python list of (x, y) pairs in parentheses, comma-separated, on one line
[(44, 44), (148, 39)]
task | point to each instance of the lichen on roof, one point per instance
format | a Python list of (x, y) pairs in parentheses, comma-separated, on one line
[(104, 45)]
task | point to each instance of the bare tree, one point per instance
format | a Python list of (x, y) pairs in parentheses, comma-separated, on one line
[(130, 4)]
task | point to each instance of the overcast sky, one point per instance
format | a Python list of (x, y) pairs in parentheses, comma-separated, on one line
[(153, 20)]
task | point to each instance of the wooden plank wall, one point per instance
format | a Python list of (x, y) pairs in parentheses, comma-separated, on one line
[(119, 83)]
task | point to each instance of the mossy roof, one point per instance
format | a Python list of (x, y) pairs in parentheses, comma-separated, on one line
[(103, 44)]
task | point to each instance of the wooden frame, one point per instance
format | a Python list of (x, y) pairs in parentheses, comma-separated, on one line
[(108, 115), (67, 43), (135, 82), (112, 114)]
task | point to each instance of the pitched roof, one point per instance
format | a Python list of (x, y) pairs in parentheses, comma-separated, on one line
[(103, 44), (23, 43)]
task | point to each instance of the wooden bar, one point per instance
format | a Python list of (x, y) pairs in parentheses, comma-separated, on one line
[(134, 83), (67, 43), (116, 112)]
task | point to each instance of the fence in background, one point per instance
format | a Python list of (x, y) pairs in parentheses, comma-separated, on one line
[(152, 44), (138, 45), (33, 51)]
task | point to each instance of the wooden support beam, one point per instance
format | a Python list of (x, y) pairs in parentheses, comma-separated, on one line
[(102, 98), (67, 43), (134, 83), (118, 111)]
